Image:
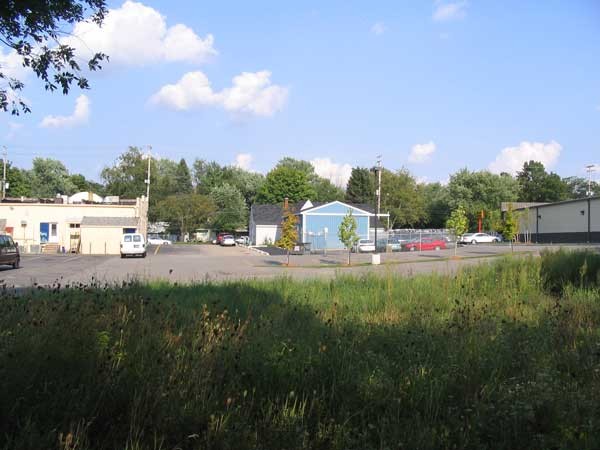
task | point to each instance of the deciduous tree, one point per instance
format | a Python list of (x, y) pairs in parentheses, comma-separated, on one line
[(347, 233), (480, 191), (283, 182), (50, 177), (32, 30), (510, 226), (185, 212), (458, 224), (231, 211), (537, 185), (402, 197), (19, 182), (289, 232)]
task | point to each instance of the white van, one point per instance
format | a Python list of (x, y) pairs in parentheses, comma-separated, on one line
[(133, 244)]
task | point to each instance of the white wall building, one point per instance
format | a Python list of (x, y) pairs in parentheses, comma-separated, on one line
[(55, 225), (571, 221)]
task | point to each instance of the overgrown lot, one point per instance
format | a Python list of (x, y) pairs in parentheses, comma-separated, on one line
[(505, 356)]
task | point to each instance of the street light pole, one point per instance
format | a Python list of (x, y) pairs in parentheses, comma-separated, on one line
[(149, 156), (378, 170), (590, 168), (4, 174)]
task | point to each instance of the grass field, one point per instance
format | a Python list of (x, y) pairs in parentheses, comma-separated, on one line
[(501, 356)]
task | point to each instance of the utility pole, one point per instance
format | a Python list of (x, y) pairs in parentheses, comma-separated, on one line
[(378, 170), (590, 168), (149, 156), (4, 173)]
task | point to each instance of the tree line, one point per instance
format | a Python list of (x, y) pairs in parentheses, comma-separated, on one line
[(220, 196)]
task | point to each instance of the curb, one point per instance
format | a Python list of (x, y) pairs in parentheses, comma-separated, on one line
[(260, 252)]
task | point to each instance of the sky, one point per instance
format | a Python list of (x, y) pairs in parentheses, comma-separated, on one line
[(430, 86)]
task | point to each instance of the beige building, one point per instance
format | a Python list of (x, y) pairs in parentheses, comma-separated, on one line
[(570, 221), (88, 227)]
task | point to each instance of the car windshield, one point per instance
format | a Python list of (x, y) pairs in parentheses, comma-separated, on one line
[(137, 238), (228, 236), (127, 238)]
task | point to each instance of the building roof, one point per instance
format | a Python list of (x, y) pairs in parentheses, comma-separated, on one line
[(518, 206), (267, 214), (89, 221)]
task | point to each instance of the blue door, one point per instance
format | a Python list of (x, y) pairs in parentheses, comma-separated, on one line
[(44, 231)]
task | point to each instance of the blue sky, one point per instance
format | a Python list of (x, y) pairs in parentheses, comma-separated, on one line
[(432, 86)]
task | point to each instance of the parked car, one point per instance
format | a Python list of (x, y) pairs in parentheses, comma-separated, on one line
[(478, 238), (155, 240), (227, 240), (133, 244), (396, 243), (242, 240), (9, 252), (220, 238), (426, 243), (365, 246)]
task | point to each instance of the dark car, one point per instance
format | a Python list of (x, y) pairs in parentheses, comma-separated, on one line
[(9, 252)]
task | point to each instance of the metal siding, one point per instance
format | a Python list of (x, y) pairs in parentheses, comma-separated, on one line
[(563, 218), (595, 214), (315, 226), (336, 208)]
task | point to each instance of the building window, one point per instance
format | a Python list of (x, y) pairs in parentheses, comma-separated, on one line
[(74, 225)]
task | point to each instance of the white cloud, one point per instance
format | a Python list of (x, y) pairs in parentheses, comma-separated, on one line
[(598, 108), (80, 115), (251, 92), (244, 161), (338, 174), (511, 159), (421, 153), (378, 28), (447, 11), (11, 65), (136, 34)]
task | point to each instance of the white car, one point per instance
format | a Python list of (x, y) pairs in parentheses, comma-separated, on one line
[(478, 238), (242, 240), (365, 246), (227, 241), (158, 241), (133, 244)]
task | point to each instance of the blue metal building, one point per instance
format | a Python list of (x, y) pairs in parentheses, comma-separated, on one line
[(319, 225)]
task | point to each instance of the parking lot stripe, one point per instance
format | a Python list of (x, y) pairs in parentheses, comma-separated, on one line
[(157, 249)]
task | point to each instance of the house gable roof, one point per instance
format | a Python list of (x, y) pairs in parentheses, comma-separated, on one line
[(335, 205), (266, 214)]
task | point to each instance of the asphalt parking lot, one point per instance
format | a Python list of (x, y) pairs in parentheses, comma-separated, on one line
[(197, 263)]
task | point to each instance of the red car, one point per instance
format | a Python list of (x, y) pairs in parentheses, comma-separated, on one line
[(220, 237), (425, 243)]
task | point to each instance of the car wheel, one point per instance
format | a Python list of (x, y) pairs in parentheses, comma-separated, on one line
[(17, 263), (144, 255), (473, 242), (437, 247), (496, 240), (122, 256)]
